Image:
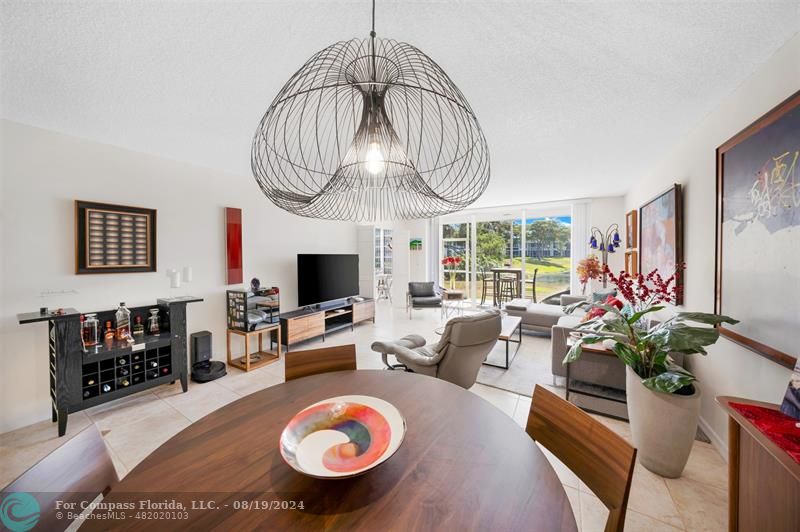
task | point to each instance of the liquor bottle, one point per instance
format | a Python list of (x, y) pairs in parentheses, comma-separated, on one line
[(106, 388), (123, 316), (124, 382), (109, 334), (138, 327)]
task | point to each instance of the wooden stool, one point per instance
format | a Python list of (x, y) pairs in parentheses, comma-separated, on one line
[(259, 358)]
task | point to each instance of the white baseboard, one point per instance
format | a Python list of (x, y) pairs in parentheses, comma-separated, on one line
[(716, 441)]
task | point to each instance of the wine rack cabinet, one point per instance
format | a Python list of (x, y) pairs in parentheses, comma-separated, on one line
[(85, 376)]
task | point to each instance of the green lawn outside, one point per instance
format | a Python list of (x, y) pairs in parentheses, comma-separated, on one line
[(549, 265)]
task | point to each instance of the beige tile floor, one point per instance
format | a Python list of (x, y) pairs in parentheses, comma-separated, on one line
[(695, 502)]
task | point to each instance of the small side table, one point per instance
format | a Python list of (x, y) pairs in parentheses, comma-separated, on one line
[(452, 303), (259, 358), (595, 349)]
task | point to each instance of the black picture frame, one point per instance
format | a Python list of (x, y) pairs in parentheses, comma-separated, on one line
[(84, 264)]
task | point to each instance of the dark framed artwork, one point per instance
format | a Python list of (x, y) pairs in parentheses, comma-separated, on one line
[(233, 245), (631, 229), (758, 234), (114, 238), (661, 236)]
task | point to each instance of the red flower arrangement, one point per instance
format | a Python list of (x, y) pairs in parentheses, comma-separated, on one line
[(452, 262), (643, 291)]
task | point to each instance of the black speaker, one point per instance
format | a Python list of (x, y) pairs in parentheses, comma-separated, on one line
[(203, 368)]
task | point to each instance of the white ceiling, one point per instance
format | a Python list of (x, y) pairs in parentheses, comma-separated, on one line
[(576, 99)]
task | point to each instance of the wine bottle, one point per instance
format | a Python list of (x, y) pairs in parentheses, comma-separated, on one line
[(123, 372), (121, 362), (125, 382), (90, 382), (152, 374), (164, 370), (153, 364), (86, 394), (136, 367), (106, 388)]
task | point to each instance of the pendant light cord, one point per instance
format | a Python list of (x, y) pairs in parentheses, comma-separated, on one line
[(372, 33), (372, 36)]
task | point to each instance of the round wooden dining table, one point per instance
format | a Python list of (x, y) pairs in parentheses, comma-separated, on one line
[(463, 465)]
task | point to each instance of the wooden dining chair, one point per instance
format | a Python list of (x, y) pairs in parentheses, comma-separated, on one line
[(602, 459), (313, 361), (78, 471)]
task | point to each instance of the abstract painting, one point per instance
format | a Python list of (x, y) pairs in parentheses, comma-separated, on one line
[(233, 245), (758, 233), (661, 236)]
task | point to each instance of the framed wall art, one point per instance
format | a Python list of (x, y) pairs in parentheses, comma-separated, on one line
[(233, 245), (114, 238), (758, 234), (661, 235), (631, 230), (632, 262)]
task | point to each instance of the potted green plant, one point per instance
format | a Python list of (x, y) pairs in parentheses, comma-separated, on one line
[(663, 398)]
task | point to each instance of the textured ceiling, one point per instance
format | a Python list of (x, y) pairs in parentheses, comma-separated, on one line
[(576, 99)]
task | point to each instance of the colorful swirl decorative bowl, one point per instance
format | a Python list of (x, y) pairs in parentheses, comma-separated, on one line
[(342, 436)]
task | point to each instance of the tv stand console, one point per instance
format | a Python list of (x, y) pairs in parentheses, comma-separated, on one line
[(320, 320)]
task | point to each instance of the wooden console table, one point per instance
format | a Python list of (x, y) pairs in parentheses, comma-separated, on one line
[(305, 324), (763, 481), (259, 358)]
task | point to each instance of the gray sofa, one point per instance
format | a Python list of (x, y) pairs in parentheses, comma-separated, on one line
[(540, 317)]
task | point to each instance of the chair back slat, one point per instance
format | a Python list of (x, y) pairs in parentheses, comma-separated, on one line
[(602, 459), (313, 361), (78, 471)]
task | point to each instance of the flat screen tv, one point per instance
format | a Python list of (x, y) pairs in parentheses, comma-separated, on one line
[(323, 278)]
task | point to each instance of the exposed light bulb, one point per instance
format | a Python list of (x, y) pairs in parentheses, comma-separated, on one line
[(374, 162)]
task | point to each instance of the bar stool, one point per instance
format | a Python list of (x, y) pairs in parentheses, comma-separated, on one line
[(507, 289), (532, 282), (486, 281)]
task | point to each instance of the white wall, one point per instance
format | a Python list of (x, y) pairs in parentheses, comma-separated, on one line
[(728, 369), (43, 172)]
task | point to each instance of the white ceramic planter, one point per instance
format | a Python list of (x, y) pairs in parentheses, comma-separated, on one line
[(663, 426)]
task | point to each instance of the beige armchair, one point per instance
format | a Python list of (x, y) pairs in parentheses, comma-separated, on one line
[(456, 358)]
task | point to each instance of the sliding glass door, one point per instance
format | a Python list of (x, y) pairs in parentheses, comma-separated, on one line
[(538, 245), (547, 256), (454, 264)]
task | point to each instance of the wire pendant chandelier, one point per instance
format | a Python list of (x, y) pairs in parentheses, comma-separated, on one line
[(369, 130)]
